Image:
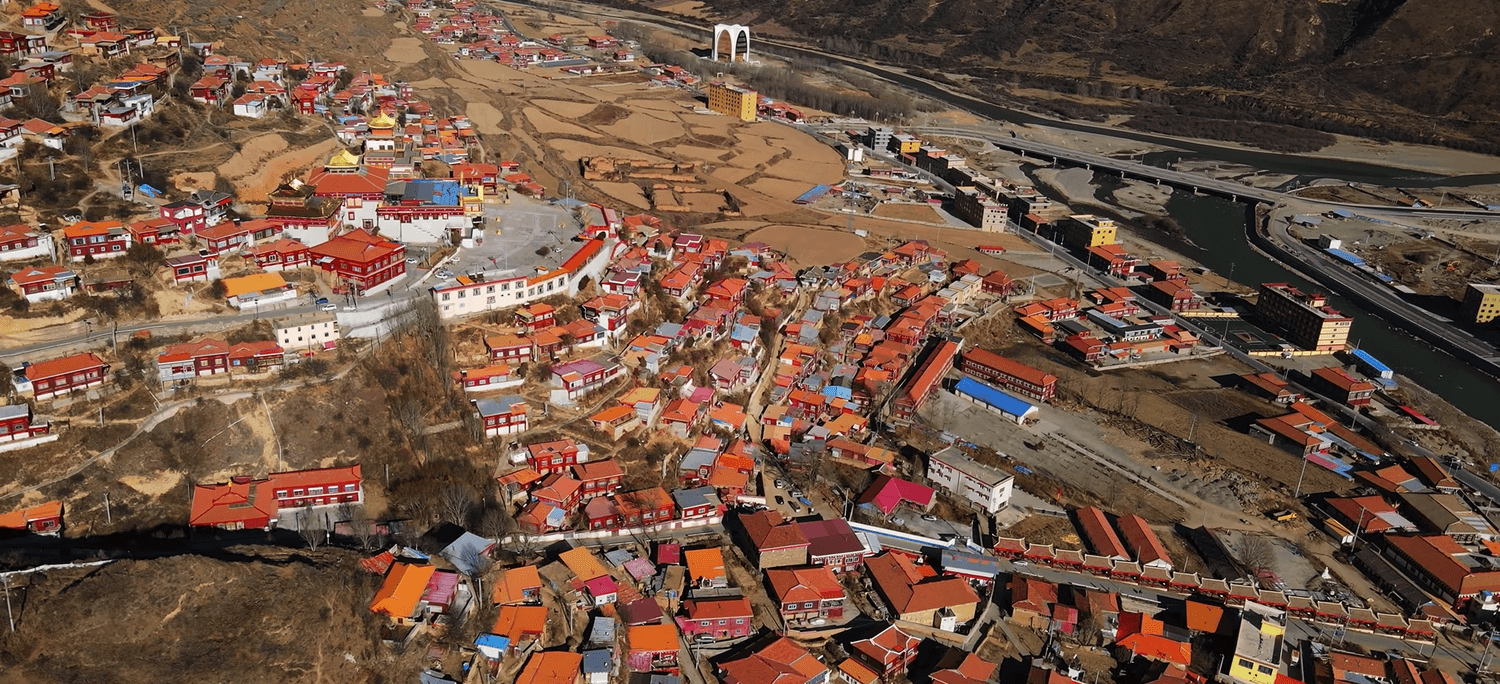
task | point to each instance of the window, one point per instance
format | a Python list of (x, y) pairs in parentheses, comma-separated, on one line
[(1265, 670), (723, 622), (1246, 664)]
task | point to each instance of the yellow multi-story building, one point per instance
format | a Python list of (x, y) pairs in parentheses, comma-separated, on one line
[(902, 143), (1087, 230), (732, 100), (1306, 319), (1481, 302), (1258, 647)]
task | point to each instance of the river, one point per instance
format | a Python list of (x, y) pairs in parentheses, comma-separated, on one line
[(1217, 227)]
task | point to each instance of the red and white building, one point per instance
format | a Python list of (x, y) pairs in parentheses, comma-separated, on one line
[(17, 423), (39, 519), (599, 478), (157, 231), (57, 377), (556, 457), (187, 215), (361, 259), (20, 241), (231, 236), (502, 415), (505, 348), (577, 378), (98, 239), (44, 284), (644, 507), (489, 378), (727, 618), (1010, 375), (255, 357), (192, 268), (282, 255), (192, 360), (247, 503), (320, 487)]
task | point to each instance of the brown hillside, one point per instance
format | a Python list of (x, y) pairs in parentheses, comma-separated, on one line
[(192, 619), (1337, 65)]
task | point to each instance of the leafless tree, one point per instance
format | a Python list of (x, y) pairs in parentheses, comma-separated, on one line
[(455, 502), (1256, 553), (310, 525)]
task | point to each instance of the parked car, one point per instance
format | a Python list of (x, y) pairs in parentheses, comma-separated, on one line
[(929, 517), (321, 301), (328, 307), (412, 260), (1020, 563), (780, 501), (898, 521), (781, 484), (351, 307)]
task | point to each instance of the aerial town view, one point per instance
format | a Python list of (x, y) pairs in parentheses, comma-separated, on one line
[(741, 342)]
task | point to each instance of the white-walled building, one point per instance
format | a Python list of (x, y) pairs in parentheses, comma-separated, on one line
[(307, 331), (969, 480)]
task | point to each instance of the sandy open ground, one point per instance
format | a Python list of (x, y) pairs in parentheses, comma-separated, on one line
[(781, 189), (712, 154), (406, 51), (162, 483), (371, 12), (547, 125), (573, 150), (645, 128), (252, 153), (807, 171), (808, 244), (567, 110), (731, 174), (486, 118), (271, 172), (629, 193), (910, 212)]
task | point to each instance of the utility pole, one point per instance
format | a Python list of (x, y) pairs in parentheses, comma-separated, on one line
[(1298, 494), (8, 615), (108, 519)]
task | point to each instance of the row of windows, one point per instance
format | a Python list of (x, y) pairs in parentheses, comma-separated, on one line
[(19, 244), (737, 621), (315, 491)]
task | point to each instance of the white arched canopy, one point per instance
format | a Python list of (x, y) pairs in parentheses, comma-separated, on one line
[(731, 43)]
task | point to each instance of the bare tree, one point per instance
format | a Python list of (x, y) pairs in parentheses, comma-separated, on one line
[(1256, 553), (455, 502), (310, 526)]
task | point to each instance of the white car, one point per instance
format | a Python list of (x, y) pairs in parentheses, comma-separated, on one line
[(329, 307)]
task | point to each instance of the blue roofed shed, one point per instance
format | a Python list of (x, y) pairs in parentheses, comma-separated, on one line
[(1004, 404)]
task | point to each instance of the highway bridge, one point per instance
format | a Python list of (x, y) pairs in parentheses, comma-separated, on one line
[(1128, 168)]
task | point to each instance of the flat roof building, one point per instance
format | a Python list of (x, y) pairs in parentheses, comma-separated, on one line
[(732, 100), (1306, 318)]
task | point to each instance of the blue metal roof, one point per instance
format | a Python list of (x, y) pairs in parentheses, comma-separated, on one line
[(989, 395), (1371, 361), (1346, 256), (812, 195)]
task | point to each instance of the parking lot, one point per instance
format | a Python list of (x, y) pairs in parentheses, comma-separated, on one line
[(520, 236)]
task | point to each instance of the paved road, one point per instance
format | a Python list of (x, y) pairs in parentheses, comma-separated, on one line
[(100, 334), (1184, 179)]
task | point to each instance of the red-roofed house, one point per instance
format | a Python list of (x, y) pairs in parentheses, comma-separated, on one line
[(599, 478), (921, 597), (282, 255), (361, 259), (192, 359), (57, 377), (1147, 637), (1099, 534), (556, 456), (1011, 375), (718, 619), (924, 380), (774, 542), (889, 652), (1141, 539), (559, 490), (779, 662), (1341, 386), (804, 594), (242, 503), (44, 284), (886, 493), (652, 647)]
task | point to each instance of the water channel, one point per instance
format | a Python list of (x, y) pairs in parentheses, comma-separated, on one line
[(1216, 228)]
